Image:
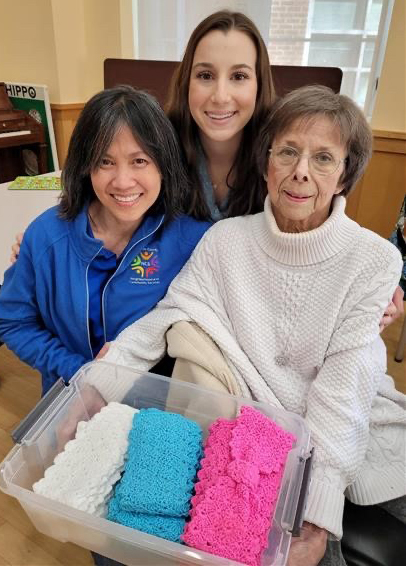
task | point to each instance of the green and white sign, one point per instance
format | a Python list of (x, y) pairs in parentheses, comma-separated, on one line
[(34, 100)]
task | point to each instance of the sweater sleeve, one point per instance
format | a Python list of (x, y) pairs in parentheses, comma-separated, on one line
[(196, 294), (143, 344), (21, 326), (340, 398)]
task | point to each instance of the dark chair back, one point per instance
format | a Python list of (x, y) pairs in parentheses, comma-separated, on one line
[(155, 76)]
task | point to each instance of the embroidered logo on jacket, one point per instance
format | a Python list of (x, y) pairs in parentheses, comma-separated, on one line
[(146, 267)]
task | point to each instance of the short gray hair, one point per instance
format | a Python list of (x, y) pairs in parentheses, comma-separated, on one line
[(309, 102)]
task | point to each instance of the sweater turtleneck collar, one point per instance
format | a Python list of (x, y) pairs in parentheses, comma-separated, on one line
[(307, 248)]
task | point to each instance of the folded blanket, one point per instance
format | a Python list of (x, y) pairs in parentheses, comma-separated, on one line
[(163, 458), (162, 526), (238, 487), (83, 475)]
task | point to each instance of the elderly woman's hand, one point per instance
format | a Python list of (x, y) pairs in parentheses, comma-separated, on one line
[(309, 548), (15, 248), (394, 309)]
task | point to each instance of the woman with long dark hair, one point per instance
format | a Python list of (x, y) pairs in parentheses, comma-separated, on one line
[(107, 253), (220, 95)]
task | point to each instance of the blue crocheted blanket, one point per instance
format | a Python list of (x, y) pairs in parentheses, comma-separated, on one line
[(162, 461), (159, 525)]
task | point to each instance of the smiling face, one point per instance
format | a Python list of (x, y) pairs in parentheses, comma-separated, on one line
[(127, 182), (301, 198), (223, 85)]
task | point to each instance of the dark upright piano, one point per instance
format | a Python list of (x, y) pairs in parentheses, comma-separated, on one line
[(18, 131)]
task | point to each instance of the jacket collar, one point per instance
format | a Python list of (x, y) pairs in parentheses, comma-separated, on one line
[(87, 247)]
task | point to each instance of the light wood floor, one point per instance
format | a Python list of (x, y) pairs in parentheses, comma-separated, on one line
[(20, 543)]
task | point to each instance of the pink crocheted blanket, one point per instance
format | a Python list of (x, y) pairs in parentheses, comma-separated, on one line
[(238, 487)]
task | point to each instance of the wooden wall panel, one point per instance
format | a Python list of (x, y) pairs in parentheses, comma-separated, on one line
[(376, 202), (64, 117)]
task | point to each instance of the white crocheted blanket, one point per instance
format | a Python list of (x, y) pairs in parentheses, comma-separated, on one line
[(83, 475)]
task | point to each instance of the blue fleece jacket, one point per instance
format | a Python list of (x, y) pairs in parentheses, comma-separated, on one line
[(44, 301)]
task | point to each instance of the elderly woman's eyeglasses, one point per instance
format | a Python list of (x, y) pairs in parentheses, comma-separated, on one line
[(322, 162)]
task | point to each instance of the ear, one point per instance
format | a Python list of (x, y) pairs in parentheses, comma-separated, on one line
[(265, 177), (340, 187)]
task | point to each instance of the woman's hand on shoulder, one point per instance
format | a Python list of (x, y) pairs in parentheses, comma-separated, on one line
[(394, 309), (103, 351), (15, 248), (309, 548)]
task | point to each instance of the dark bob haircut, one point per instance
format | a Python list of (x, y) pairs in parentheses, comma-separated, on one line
[(101, 118), (306, 104)]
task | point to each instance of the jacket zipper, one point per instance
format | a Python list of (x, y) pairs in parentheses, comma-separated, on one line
[(87, 303), (118, 268)]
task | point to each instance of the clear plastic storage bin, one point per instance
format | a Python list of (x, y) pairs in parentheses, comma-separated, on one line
[(38, 439)]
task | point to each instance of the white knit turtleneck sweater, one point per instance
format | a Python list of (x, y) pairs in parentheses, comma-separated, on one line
[(297, 319)]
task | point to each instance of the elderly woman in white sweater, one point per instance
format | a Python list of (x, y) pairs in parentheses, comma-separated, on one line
[(292, 298)]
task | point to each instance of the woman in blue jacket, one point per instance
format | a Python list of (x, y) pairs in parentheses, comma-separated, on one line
[(107, 253)]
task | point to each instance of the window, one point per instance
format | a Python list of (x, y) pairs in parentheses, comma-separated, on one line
[(350, 34), (164, 26)]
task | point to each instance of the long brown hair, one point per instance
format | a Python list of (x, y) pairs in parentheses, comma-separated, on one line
[(248, 191)]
